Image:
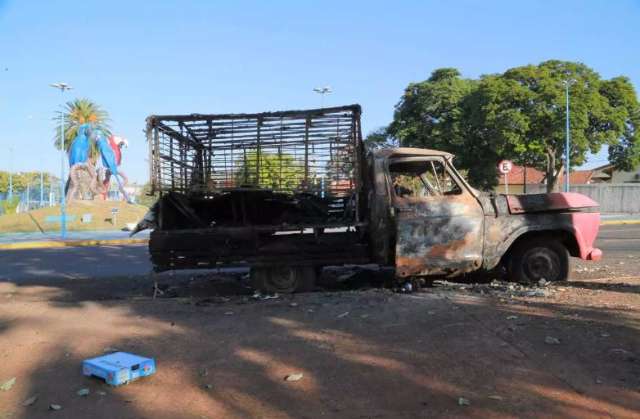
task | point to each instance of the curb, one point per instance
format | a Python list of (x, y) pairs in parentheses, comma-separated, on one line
[(618, 222), (70, 243)]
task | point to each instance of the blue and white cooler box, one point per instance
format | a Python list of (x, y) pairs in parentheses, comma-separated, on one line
[(119, 367)]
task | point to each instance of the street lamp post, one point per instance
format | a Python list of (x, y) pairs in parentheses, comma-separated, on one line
[(10, 173), (567, 83), (63, 211), (323, 91)]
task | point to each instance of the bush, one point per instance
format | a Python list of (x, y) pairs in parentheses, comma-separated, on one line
[(9, 205)]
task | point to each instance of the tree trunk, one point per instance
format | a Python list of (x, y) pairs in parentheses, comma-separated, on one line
[(552, 174)]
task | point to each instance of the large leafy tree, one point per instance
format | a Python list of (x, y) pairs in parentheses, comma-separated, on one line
[(602, 112), (431, 114), (520, 115), (76, 113)]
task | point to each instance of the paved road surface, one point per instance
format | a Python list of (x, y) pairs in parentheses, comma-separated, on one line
[(620, 244), (71, 235)]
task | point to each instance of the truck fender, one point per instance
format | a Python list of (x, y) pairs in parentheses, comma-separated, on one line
[(504, 248)]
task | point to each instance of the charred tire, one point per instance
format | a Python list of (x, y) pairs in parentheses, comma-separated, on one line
[(283, 279), (539, 258)]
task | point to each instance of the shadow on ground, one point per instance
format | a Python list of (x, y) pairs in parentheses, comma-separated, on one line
[(363, 353)]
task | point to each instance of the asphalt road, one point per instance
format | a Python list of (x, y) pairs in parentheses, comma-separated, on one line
[(620, 244)]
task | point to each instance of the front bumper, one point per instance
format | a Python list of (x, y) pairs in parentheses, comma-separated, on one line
[(595, 254)]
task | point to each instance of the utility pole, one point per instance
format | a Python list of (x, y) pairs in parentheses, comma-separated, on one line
[(41, 189), (63, 211), (567, 83), (10, 173)]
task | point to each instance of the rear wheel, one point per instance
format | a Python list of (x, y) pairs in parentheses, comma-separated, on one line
[(539, 258), (283, 279)]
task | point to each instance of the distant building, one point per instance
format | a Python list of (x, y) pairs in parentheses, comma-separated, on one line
[(609, 174), (524, 179)]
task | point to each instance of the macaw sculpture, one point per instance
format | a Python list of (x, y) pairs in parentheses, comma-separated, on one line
[(111, 155), (79, 153)]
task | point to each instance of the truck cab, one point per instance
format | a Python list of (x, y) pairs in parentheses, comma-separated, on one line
[(427, 221)]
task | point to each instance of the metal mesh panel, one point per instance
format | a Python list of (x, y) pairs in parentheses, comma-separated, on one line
[(312, 151)]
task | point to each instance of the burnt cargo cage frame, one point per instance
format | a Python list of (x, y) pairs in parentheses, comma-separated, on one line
[(317, 152)]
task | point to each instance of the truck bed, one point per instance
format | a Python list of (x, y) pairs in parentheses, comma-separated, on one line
[(258, 189)]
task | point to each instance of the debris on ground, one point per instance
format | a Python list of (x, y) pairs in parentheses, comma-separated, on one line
[(550, 340), (31, 400), (101, 393), (496, 397), (83, 392), (260, 296), (345, 314), (512, 317), (463, 402), (622, 354), (499, 288), (294, 377), (6, 386), (55, 407), (208, 386)]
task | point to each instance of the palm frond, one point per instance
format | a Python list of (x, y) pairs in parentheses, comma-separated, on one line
[(75, 113)]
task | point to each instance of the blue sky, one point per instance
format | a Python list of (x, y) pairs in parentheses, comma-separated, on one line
[(140, 58)]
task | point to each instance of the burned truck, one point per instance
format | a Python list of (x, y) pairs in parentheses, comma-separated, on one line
[(288, 193)]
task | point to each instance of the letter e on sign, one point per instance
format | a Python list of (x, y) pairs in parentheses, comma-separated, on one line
[(505, 166)]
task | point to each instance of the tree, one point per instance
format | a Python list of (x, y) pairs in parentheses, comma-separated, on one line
[(146, 198), (379, 138), (602, 112), (520, 115), (431, 114), (76, 113), (20, 180), (276, 171)]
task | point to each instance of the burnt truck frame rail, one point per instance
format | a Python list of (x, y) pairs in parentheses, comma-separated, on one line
[(264, 189)]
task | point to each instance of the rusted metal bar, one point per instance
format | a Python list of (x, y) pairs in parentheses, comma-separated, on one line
[(306, 152), (258, 151)]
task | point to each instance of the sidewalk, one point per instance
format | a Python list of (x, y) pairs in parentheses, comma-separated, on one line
[(74, 238)]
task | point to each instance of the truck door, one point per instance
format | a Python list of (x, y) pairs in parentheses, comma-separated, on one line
[(439, 222)]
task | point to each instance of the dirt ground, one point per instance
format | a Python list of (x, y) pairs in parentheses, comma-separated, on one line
[(454, 350)]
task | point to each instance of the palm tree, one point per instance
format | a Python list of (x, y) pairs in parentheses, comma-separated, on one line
[(76, 113)]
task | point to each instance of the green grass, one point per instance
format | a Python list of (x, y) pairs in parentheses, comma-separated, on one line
[(34, 221)]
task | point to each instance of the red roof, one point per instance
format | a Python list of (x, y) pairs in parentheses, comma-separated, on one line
[(516, 176), (535, 176), (578, 177)]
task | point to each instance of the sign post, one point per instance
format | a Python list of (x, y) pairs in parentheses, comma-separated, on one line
[(114, 215), (505, 167)]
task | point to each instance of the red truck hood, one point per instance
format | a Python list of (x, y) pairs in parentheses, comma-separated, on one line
[(519, 204)]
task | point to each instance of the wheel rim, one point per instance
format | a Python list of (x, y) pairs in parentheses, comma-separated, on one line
[(283, 280), (542, 263)]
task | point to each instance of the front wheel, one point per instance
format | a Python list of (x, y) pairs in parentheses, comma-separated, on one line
[(539, 258)]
